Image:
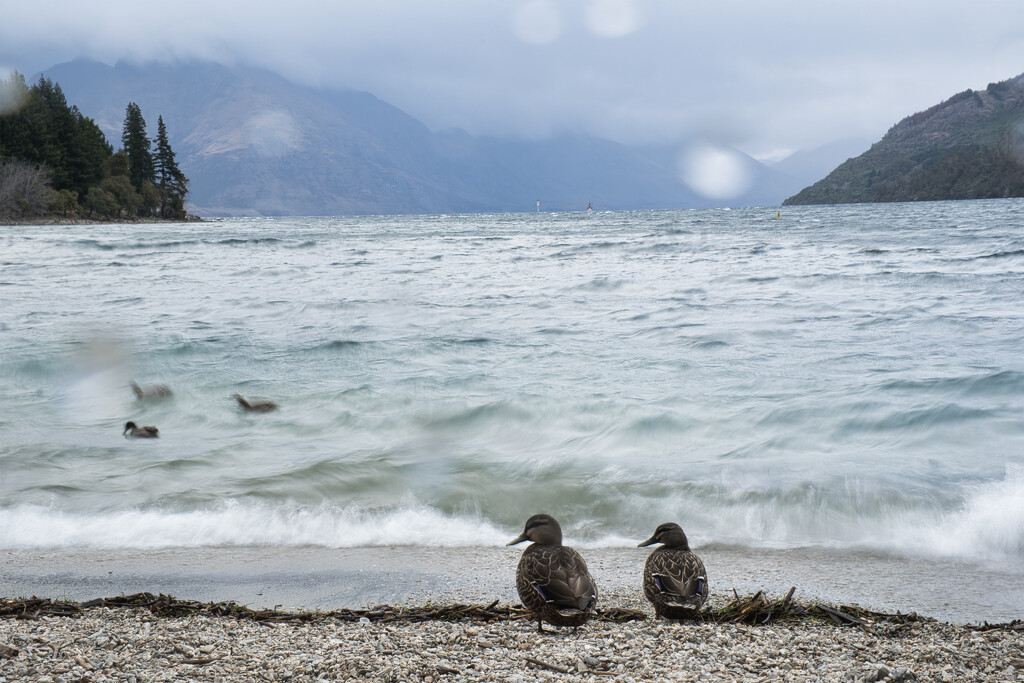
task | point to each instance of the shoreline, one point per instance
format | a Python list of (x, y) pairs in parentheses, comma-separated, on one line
[(316, 578), (116, 643), (78, 220), (108, 643)]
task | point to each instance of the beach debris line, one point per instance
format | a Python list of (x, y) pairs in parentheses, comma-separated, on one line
[(34, 608), (168, 606), (757, 610), (1015, 625)]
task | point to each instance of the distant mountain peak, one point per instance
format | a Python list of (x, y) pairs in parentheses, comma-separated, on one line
[(253, 142)]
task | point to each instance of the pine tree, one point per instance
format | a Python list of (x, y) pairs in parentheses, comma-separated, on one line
[(136, 145), (172, 183), (86, 154), (60, 125), (38, 126)]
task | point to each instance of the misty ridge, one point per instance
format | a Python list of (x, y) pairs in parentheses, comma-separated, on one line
[(253, 143)]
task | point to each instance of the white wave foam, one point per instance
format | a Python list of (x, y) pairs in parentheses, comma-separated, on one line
[(987, 526), (990, 523), (25, 527)]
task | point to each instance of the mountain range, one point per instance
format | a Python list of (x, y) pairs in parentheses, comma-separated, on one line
[(254, 143)]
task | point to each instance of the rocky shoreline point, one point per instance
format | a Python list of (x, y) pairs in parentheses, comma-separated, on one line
[(51, 219), (131, 643)]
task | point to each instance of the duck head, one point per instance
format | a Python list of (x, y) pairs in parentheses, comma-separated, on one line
[(670, 534), (542, 529)]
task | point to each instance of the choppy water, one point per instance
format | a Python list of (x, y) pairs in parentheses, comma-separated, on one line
[(851, 377)]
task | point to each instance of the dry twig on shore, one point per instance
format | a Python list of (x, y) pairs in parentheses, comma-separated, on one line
[(168, 606), (757, 609)]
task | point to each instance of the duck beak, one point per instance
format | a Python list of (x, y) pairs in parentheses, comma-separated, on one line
[(650, 541), (519, 539)]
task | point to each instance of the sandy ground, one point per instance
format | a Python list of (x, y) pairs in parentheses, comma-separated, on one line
[(324, 578)]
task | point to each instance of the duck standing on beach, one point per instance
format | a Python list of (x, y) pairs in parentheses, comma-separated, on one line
[(156, 391), (132, 430), (552, 579), (674, 577), (255, 406)]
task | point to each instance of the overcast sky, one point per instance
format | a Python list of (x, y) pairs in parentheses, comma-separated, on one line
[(765, 77)]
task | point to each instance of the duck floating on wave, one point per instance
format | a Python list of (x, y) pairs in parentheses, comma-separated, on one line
[(133, 431), (255, 406)]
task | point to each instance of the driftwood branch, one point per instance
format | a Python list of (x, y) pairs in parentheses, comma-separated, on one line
[(1015, 625), (545, 665)]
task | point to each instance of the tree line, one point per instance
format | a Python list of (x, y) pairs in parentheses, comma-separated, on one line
[(56, 161)]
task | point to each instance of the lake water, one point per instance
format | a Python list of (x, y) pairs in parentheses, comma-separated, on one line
[(845, 377)]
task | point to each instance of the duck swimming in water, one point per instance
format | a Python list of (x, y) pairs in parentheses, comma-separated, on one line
[(552, 579), (156, 391), (132, 430), (674, 577), (255, 406)]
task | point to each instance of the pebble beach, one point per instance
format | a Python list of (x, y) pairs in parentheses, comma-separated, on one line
[(124, 644), (133, 644)]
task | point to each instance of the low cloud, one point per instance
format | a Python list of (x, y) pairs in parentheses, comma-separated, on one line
[(630, 70)]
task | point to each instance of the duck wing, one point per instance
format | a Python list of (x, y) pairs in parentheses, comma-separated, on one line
[(677, 574), (560, 576)]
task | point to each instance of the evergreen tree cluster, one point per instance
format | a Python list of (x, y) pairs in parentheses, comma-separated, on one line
[(54, 160)]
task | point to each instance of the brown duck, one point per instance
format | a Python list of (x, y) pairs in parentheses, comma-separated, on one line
[(255, 406), (674, 577), (552, 579), (132, 430)]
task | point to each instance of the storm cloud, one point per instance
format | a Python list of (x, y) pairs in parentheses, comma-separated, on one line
[(766, 78)]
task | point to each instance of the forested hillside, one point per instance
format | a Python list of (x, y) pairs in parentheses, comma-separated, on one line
[(56, 162), (969, 147)]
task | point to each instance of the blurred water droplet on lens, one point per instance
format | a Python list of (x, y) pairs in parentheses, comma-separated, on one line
[(714, 172), (11, 95)]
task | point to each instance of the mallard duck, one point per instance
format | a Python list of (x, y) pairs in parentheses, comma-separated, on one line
[(136, 432), (674, 577), (552, 579), (155, 391), (255, 406)]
